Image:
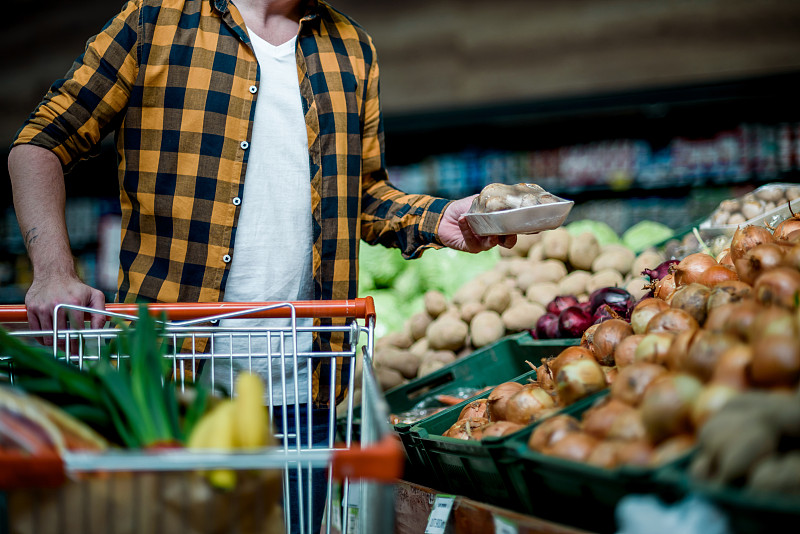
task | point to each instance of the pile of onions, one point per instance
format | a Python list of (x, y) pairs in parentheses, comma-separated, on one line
[(786, 227), (644, 311), (607, 337)]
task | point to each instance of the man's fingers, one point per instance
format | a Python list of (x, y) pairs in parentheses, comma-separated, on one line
[(508, 241), (97, 301)]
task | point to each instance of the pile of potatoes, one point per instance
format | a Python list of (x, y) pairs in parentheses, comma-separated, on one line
[(507, 299)]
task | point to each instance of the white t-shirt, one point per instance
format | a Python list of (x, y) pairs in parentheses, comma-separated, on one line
[(271, 258)]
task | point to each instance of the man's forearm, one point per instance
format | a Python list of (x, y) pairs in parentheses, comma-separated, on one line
[(38, 185)]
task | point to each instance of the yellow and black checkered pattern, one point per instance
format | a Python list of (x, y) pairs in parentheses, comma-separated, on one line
[(177, 81)]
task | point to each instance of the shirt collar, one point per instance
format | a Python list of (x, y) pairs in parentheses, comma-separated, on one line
[(310, 17)]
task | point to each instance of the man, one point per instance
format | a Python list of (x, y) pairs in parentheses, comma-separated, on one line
[(245, 130)]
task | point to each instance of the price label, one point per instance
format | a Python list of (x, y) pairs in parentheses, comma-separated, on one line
[(437, 521), (504, 526)]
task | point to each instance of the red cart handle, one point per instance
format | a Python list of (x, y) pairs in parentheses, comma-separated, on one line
[(359, 308)]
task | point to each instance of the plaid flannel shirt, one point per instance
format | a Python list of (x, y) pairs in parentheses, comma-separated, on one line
[(177, 81)]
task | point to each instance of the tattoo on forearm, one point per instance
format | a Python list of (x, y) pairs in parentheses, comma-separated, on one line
[(31, 236)]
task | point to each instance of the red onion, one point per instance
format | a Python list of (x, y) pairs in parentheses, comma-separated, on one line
[(561, 303), (613, 296), (573, 321), (546, 327), (659, 272)]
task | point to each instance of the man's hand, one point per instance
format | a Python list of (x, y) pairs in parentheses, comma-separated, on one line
[(48, 291), (454, 231)]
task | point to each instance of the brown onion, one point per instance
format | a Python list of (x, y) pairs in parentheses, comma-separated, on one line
[(787, 226), (604, 454), (672, 320), (500, 428), (551, 430), (704, 353), (717, 274), (710, 400), (575, 446), (608, 335), (672, 448), (757, 260), (773, 321), (475, 409), (467, 429), (667, 403), (732, 367), (746, 238), (498, 399), (678, 350), (570, 354), (741, 317), (598, 419), (625, 351), (724, 257), (544, 376), (727, 292), (664, 287), (629, 426), (654, 347), (692, 267), (637, 453), (588, 336), (611, 373), (525, 403), (579, 379), (776, 362), (791, 255), (633, 381), (644, 311), (692, 298), (779, 286)]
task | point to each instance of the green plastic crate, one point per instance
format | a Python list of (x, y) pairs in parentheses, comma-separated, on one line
[(554, 488), (747, 512), (458, 466)]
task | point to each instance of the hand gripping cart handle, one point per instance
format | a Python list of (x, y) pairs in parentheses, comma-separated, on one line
[(376, 462)]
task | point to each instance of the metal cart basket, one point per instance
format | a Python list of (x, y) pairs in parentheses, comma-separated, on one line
[(224, 336)]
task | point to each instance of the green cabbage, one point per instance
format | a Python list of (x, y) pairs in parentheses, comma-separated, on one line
[(646, 234), (603, 232)]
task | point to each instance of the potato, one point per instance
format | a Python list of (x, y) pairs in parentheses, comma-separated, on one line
[(543, 271), (524, 244), (604, 278), (636, 287), (522, 316), (401, 340), (470, 292), (649, 259), (617, 257), (420, 347), (470, 310), (443, 357), (536, 252), (556, 244), (490, 277), (517, 265), (486, 327), (574, 283), (447, 333), (542, 293), (427, 368), (497, 297), (388, 378), (417, 324), (435, 303), (736, 218), (400, 360), (583, 249)]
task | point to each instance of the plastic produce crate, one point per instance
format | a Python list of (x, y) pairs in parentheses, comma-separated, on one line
[(554, 488), (487, 366), (747, 512), (458, 466)]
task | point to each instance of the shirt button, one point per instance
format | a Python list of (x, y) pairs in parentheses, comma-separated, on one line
[(237, 201), (253, 89), (244, 145), (226, 258)]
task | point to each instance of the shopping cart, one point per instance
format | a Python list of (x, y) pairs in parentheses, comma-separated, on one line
[(208, 332)]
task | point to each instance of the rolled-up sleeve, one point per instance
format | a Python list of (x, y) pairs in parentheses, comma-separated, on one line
[(390, 216), (80, 109)]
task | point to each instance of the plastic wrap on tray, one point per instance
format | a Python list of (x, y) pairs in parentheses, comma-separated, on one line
[(766, 206)]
